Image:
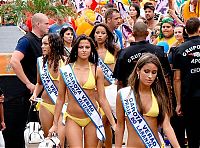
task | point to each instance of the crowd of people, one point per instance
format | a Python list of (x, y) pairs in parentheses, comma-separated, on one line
[(137, 72)]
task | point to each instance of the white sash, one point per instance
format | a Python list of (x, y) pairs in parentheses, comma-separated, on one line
[(136, 120), (106, 71), (47, 82), (82, 99)]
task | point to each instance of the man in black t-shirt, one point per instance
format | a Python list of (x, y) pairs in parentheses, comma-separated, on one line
[(23, 62), (186, 81), (129, 56)]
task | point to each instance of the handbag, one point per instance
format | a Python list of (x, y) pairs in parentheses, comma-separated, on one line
[(33, 133), (50, 142)]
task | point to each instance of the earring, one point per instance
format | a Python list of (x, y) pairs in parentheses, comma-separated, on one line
[(106, 41), (138, 76), (156, 79)]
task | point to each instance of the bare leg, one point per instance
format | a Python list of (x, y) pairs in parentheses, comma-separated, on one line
[(108, 132), (74, 134), (61, 132), (90, 136), (46, 119)]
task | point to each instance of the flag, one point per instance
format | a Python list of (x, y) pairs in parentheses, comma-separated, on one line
[(79, 5)]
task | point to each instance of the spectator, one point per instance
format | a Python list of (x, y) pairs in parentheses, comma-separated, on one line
[(190, 9), (68, 36), (58, 25), (113, 20), (129, 56), (149, 15), (166, 32)]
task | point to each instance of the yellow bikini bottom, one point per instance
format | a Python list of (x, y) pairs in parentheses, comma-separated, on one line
[(49, 107), (81, 122)]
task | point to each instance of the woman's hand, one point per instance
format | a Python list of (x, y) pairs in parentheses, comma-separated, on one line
[(114, 126), (33, 98), (52, 130), (178, 110), (1, 98), (3, 126)]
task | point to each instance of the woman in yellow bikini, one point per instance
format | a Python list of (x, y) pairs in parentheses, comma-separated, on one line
[(48, 65), (106, 50), (145, 106), (82, 82)]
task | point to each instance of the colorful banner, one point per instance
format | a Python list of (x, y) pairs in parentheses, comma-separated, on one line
[(122, 10), (79, 5), (162, 7)]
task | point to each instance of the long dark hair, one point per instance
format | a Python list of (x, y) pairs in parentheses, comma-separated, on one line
[(64, 29), (57, 51), (137, 8), (93, 58), (158, 87), (109, 42)]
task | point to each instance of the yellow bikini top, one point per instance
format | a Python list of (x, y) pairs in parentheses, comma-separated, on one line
[(154, 110), (61, 63), (109, 58), (91, 83)]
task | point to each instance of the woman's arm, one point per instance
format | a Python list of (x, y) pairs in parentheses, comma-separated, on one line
[(119, 133), (169, 132), (102, 97), (38, 87)]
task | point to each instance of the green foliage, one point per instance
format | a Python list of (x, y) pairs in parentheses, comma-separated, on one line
[(16, 11)]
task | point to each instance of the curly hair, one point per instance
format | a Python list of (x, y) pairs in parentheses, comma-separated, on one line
[(57, 51), (109, 43), (93, 58), (158, 87)]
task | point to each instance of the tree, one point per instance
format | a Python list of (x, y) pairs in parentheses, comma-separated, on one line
[(16, 10)]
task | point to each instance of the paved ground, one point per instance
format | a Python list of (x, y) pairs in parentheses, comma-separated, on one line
[(9, 36)]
